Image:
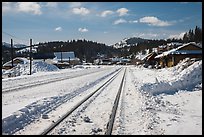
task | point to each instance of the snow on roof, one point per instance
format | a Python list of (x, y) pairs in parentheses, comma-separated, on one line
[(34, 50), (193, 43), (174, 43), (162, 46), (187, 52), (177, 51), (148, 55), (199, 45), (65, 55), (24, 61)]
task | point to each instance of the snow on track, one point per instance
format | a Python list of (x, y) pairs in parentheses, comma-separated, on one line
[(153, 102), (93, 116), (27, 81), (46, 103)]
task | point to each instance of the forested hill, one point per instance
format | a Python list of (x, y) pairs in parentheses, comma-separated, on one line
[(83, 49)]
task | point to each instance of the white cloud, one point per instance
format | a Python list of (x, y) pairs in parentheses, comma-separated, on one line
[(81, 11), (29, 7), (75, 4), (184, 2), (122, 11), (83, 30), (6, 7), (51, 4), (119, 21), (58, 29), (149, 35), (154, 21), (133, 21), (106, 12), (177, 36)]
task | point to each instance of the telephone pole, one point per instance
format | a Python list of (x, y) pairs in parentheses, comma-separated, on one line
[(61, 53), (12, 52), (30, 56)]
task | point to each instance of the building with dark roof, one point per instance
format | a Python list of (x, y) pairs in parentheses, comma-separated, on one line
[(172, 57)]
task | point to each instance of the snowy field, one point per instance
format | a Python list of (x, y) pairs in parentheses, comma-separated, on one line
[(164, 101)]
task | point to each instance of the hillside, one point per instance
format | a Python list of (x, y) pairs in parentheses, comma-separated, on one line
[(84, 49), (126, 42), (16, 46)]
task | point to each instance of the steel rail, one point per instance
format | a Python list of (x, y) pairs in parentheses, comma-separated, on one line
[(114, 109), (43, 82), (49, 129)]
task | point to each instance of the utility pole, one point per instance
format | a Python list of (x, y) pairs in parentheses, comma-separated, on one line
[(30, 56), (12, 52), (69, 62), (61, 53)]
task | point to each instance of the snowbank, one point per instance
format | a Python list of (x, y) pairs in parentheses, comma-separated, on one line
[(24, 69), (182, 65), (85, 66), (186, 79)]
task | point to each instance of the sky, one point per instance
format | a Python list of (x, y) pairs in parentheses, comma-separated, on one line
[(103, 22)]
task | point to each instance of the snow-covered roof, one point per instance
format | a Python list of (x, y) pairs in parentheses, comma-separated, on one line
[(193, 43), (148, 55), (9, 63), (34, 50), (177, 51), (65, 55), (162, 46), (174, 43), (199, 45)]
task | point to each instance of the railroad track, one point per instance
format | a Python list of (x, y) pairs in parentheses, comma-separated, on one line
[(53, 104), (114, 110), (110, 122), (24, 86)]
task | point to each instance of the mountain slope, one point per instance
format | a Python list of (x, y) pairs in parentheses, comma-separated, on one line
[(128, 42)]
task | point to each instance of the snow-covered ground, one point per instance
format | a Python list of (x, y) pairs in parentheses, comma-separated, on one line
[(153, 101)]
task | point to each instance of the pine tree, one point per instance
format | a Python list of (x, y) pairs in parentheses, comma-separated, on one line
[(198, 34), (195, 36), (185, 37), (190, 36)]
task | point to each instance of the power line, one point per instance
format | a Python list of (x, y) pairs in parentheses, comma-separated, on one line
[(25, 40), (14, 37)]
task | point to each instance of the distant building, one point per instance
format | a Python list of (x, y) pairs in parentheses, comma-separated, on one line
[(106, 61), (162, 48), (172, 57), (43, 56), (65, 58), (16, 61), (168, 46), (149, 59)]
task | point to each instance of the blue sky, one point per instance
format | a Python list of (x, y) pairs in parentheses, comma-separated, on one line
[(104, 22)]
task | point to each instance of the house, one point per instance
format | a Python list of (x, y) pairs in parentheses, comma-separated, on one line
[(149, 59), (172, 57), (65, 59), (135, 61), (43, 56), (173, 45), (124, 61), (105, 61), (162, 48), (16, 61)]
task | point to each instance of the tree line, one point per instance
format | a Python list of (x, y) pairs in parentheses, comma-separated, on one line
[(193, 35), (89, 50), (83, 49)]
